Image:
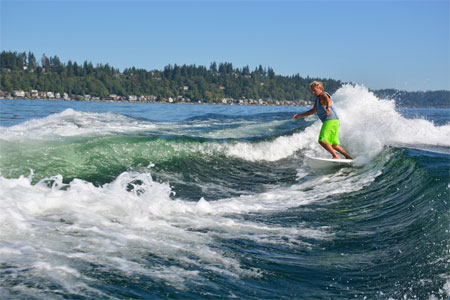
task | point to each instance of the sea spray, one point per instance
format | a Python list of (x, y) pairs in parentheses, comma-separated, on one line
[(370, 123)]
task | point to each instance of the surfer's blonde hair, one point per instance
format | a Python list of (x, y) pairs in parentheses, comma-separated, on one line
[(316, 84)]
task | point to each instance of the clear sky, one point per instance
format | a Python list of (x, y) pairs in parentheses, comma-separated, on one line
[(380, 44)]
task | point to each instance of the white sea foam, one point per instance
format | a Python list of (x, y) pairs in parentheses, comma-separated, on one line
[(74, 123), (277, 149), (55, 229)]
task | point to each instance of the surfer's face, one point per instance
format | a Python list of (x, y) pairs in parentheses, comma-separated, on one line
[(316, 91)]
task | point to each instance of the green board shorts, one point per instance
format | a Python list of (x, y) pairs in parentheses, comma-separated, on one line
[(330, 132)]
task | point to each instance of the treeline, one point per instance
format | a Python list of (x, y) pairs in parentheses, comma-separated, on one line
[(22, 71), (416, 99)]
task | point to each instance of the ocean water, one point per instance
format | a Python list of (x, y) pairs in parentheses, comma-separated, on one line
[(160, 201)]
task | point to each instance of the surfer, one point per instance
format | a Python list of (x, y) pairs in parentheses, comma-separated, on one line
[(329, 134)]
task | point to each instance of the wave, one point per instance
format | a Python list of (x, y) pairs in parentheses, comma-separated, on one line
[(136, 226), (116, 226), (187, 208), (72, 123)]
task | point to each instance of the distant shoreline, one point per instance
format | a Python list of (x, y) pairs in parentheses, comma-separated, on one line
[(154, 102), (196, 103)]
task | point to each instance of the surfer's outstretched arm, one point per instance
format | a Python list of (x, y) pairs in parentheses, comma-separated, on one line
[(305, 114)]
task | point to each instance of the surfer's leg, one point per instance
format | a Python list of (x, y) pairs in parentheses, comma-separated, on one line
[(341, 150), (330, 149)]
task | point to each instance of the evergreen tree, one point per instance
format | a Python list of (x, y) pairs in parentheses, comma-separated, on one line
[(45, 62), (213, 68), (32, 64)]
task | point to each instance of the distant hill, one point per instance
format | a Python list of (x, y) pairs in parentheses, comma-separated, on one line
[(220, 83), (416, 99)]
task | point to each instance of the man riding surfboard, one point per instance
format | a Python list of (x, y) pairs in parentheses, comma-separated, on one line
[(329, 133)]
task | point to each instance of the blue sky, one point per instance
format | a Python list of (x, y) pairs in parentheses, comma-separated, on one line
[(380, 44)]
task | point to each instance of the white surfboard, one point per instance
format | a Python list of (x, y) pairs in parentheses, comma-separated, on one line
[(325, 163)]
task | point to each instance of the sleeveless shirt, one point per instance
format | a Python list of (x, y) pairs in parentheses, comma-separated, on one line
[(322, 111)]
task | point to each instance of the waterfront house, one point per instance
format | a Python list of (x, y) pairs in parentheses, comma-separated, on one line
[(34, 93), (19, 94), (114, 97)]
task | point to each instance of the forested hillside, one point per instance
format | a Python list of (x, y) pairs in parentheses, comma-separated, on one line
[(23, 71)]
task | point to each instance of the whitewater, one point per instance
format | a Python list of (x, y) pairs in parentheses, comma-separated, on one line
[(161, 201)]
